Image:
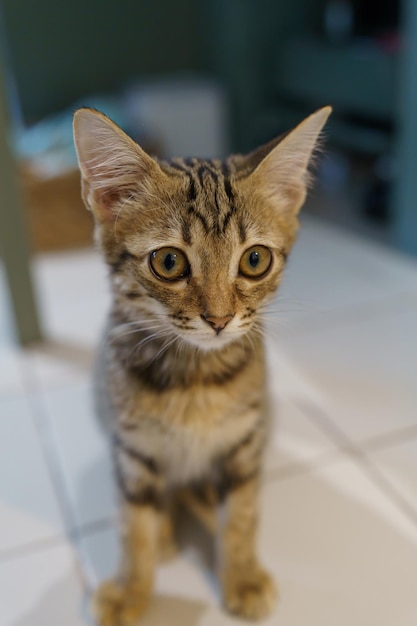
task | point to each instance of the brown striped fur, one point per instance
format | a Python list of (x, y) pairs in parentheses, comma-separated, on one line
[(189, 400)]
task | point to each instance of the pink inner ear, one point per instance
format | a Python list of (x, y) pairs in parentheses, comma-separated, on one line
[(107, 202)]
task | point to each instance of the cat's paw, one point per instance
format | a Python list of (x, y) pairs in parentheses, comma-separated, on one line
[(250, 594), (115, 605)]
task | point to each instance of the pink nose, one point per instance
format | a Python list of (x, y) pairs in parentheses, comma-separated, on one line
[(217, 323)]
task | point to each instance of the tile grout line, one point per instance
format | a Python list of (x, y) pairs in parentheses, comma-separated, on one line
[(351, 449), (57, 539), (389, 439), (31, 547), (89, 528), (298, 468), (39, 412)]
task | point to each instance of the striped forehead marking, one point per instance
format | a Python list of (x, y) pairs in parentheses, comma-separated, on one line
[(202, 177)]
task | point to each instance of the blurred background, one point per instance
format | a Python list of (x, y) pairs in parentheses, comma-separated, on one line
[(206, 78)]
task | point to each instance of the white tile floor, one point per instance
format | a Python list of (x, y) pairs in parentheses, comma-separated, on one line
[(339, 503)]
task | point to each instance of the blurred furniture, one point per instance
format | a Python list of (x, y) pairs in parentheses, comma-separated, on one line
[(13, 240), (56, 216), (279, 67), (273, 58), (63, 51), (405, 193)]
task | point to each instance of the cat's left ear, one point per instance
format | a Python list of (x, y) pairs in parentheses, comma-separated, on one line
[(113, 167), (282, 176)]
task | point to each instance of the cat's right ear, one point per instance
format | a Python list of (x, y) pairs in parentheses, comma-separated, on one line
[(281, 168), (114, 168)]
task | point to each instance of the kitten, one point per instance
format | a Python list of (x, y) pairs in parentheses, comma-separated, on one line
[(196, 250)]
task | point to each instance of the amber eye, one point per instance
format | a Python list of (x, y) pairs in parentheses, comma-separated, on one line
[(169, 264), (255, 262)]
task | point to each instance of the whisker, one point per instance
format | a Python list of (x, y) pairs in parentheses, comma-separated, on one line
[(133, 332), (143, 325), (251, 341), (163, 349), (118, 215), (170, 209), (137, 322), (278, 324), (146, 340)]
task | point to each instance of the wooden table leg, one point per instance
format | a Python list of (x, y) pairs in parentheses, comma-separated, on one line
[(13, 238)]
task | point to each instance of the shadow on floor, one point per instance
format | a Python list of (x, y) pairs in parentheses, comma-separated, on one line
[(58, 607)]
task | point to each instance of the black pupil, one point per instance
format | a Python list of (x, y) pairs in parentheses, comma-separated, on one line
[(254, 259), (169, 261)]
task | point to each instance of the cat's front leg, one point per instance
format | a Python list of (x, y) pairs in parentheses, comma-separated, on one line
[(248, 590), (167, 545), (120, 602)]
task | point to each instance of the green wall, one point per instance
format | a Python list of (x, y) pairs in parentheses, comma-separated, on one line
[(61, 50)]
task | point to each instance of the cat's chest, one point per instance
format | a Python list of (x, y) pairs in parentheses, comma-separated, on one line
[(188, 431), (191, 451)]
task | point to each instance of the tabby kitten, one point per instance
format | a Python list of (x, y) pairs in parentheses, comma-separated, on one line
[(196, 249)]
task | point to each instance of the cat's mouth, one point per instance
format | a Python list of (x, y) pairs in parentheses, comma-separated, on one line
[(209, 342), (207, 339)]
